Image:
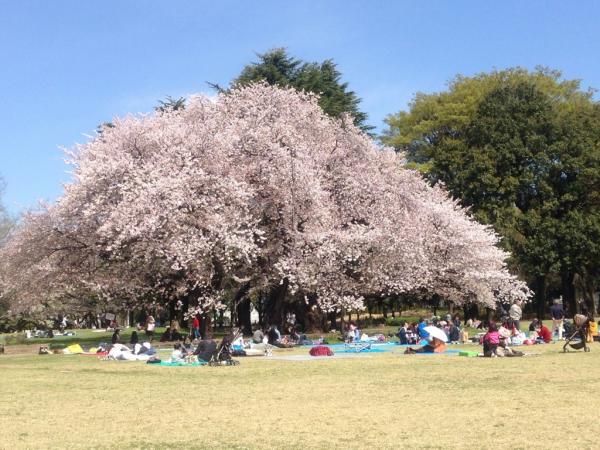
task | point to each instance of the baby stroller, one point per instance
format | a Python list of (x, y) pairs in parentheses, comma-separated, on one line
[(222, 356), (577, 339)]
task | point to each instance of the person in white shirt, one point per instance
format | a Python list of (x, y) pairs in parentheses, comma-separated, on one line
[(515, 313)]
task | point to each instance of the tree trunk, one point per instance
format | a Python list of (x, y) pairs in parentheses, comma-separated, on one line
[(568, 292), (244, 319), (241, 305), (274, 304), (588, 288), (540, 296), (332, 320), (383, 305)]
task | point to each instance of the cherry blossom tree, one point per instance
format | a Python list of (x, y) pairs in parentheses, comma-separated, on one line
[(254, 191)]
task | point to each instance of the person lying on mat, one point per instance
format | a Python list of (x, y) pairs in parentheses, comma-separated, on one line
[(144, 349), (434, 345)]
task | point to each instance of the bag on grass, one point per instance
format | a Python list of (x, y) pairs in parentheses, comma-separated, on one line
[(320, 350)]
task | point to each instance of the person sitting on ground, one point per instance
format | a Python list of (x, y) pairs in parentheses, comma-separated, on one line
[(238, 344), (116, 337), (456, 321), (434, 345), (544, 335), (206, 349), (402, 334), (177, 354), (274, 335), (490, 341), (350, 334), (186, 346), (175, 334), (474, 323), (535, 323), (510, 326), (134, 338), (412, 334), (453, 333), (258, 335), (294, 336), (166, 336), (421, 328)]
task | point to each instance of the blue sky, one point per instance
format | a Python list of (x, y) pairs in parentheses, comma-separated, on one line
[(67, 66)]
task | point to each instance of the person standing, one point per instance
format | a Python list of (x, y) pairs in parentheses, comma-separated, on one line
[(515, 313), (558, 315), (196, 327), (150, 326)]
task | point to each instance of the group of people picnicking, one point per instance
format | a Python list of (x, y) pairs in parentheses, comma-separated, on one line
[(497, 337), (187, 345)]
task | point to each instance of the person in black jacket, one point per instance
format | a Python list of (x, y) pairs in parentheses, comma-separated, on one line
[(116, 337), (402, 334), (453, 333)]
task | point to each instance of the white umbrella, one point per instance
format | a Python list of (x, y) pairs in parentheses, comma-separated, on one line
[(435, 332)]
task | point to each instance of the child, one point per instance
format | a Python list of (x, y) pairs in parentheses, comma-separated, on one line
[(177, 355), (544, 333), (491, 339)]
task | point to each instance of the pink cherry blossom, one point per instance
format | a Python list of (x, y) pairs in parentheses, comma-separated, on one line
[(259, 187)]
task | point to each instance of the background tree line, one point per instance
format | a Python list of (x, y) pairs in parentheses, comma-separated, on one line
[(522, 150)]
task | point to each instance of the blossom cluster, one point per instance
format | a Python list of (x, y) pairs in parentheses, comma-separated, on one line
[(260, 185)]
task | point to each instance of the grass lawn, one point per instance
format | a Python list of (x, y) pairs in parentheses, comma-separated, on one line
[(385, 400)]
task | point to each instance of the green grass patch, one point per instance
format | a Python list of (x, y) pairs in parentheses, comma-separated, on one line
[(386, 400)]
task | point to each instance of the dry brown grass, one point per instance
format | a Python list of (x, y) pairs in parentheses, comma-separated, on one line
[(380, 401)]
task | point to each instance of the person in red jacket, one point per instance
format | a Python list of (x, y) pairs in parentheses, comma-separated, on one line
[(544, 333), (196, 327)]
